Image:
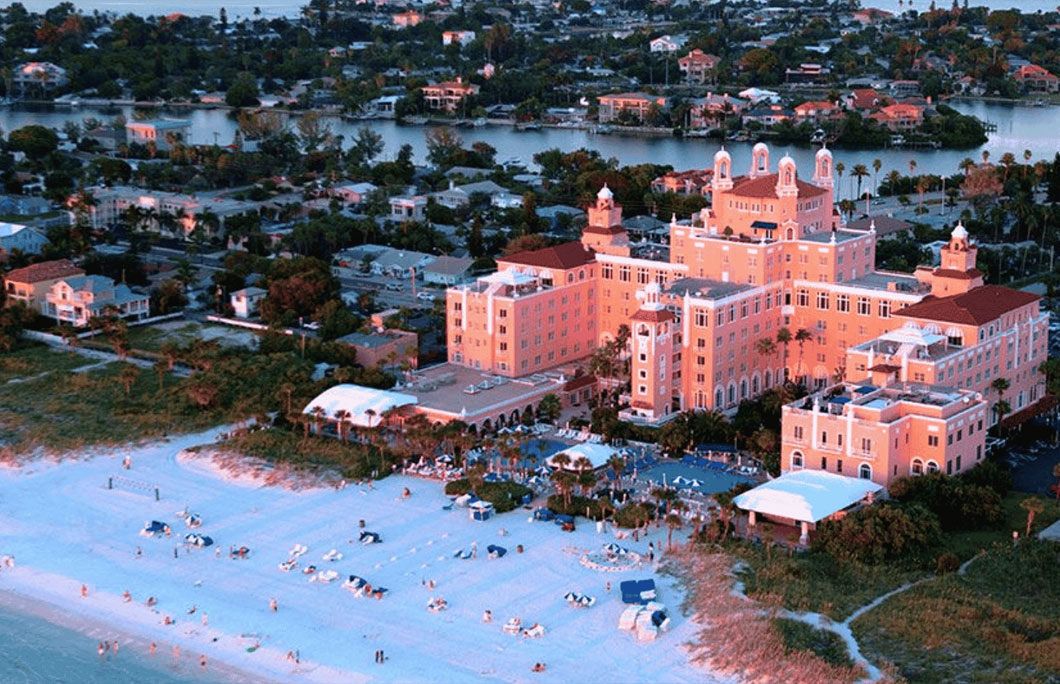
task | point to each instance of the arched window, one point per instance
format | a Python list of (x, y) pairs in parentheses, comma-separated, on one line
[(754, 385), (743, 388), (932, 467), (916, 467), (865, 471), (732, 394), (719, 398), (796, 459)]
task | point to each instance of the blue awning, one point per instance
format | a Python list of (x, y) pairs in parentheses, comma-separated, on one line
[(768, 225), (838, 400), (866, 389)]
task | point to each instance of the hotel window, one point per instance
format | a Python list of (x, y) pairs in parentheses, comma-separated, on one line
[(798, 432), (864, 306), (842, 303), (642, 389), (702, 318), (885, 308), (642, 276), (933, 440), (822, 301), (743, 310), (607, 271), (839, 465), (623, 273), (802, 298), (866, 445)]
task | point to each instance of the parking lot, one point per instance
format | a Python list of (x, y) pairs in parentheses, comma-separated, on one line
[(1031, 457)]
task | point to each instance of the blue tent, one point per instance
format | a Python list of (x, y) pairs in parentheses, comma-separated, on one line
[(496, 551), (356, 582), (543, 514), (155, 527), (200, 540), (562, 519), (369, 537), (637, 592)]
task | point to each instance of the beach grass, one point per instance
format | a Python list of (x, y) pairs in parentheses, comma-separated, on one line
[(33, 359), (273, 445), (1000, 622), (826, 645), (817, 582)]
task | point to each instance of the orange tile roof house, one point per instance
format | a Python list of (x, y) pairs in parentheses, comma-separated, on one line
[(448, 95), (637, 104), (408, 18), (899, 117), (698, 66), (30, 284), (816, 109), (1036, 79)]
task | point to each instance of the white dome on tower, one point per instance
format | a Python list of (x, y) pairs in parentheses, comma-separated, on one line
[(760, 147), (785, 160), (722, 154), (960, 232), (605, 193), (823, 152)]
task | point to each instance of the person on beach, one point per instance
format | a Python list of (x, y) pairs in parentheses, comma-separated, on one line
[(202, 661), (115, 645), (139, 552), (204, 619), (152, 649), (176, 653), (272, 605), (608, 587), (651, 551), (191, 610), (126, 597), (175, 554), (99, 649), (84, 591), (487, 615), (151, 601)]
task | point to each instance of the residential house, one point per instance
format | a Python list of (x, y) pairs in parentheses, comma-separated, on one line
[(899, 117), (816, 110), (769, 115), (354, 193), (452, 197), (698, 67), (170, 213), (553, 214), (636, 105), (711, 110), (870, 15), (506, 200), (407, 18), (38, 77), (448, 270), (807, 73), (31, 284), (668, 43), (692, 182), (408, 208), (162, 133), (25, 239), (246, 302), (1036, 79), (460, 37), (863, 99), (905, 88), (401, 263), (77, 299), (22, 205), (448, 95), (386, 347)]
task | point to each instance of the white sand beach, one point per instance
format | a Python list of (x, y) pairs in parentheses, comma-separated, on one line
[(65, 528)]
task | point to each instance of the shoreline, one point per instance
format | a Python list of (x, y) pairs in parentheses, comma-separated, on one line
[(17, 602)]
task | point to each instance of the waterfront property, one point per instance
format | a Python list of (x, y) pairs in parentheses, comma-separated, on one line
[(163, 134), (77, 299), (31, 284)]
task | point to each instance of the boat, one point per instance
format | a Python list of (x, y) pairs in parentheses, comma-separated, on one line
[(528, 126), (818, 136), (479, 122), (602, 129)]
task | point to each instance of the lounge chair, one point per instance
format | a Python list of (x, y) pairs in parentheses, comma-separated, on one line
[(535, 632), (513, 626)]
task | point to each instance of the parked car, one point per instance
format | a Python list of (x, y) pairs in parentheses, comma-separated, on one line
[(425, 296)]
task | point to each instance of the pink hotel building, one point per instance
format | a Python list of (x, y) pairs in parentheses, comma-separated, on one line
[(914, 355)]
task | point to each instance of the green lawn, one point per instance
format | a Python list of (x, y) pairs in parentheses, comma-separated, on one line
[(32, 360)]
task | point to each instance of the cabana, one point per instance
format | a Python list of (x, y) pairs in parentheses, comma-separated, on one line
[(637, 592), (543, 515), (365, 406), (154, 527), (496, 551), (480, 510), (598, 454), (369, 538), (805, 497), (199, 540)]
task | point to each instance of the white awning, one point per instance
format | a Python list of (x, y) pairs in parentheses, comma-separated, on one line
[(806, 495), (598, 454), (366, 405)]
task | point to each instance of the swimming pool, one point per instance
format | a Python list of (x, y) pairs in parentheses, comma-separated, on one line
[(711, 481)]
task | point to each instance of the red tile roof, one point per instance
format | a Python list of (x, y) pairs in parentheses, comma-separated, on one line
[(959, 275), (654, 315), (978, 306), (579, 382), (766, 187), (604, 230), (45, 270), (567, 255)]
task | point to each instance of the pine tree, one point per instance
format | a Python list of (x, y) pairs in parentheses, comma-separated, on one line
[(1053, 193)]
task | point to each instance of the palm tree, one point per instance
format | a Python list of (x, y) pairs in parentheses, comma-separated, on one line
[(912, 166), (319, 414), (673, 521), (784, 338), (1033, 505), (582, 464), (1056, 474), (341, 417), (1007, 160), (561, 461), (801, 336), (876, 166), (839, 169), (127, 376), (966, 165), (766, 346), (160, 366), (922, 185), (287, 389), (617, 465), (860, 172), (587, 481)]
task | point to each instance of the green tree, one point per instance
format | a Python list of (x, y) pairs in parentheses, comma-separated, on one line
[(35, 141), (243, 92)]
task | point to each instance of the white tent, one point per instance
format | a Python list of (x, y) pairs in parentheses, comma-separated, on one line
[(806, 496), (366, 405), (598, 454)]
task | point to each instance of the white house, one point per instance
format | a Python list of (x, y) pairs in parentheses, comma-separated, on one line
[(78, 299), (506, 200), (447, 270), (245, 302), (668, 43), (400, 263), (406, 208), (452, 197), (461, 37), (39, 75), (354, 193), (159, 132)]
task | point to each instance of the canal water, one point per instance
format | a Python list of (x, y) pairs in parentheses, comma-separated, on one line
[(1019, 128)]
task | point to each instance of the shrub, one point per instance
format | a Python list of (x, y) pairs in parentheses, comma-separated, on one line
[(879, 533), (578, 505), (457, 487), (826, 645), (504, 496), (990, 474), (634, 515), (958, 503), (946, 563)]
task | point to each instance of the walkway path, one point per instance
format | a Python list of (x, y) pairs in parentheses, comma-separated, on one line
[(105, 357)]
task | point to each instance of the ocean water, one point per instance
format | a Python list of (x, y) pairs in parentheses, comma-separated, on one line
[(35, 651)]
